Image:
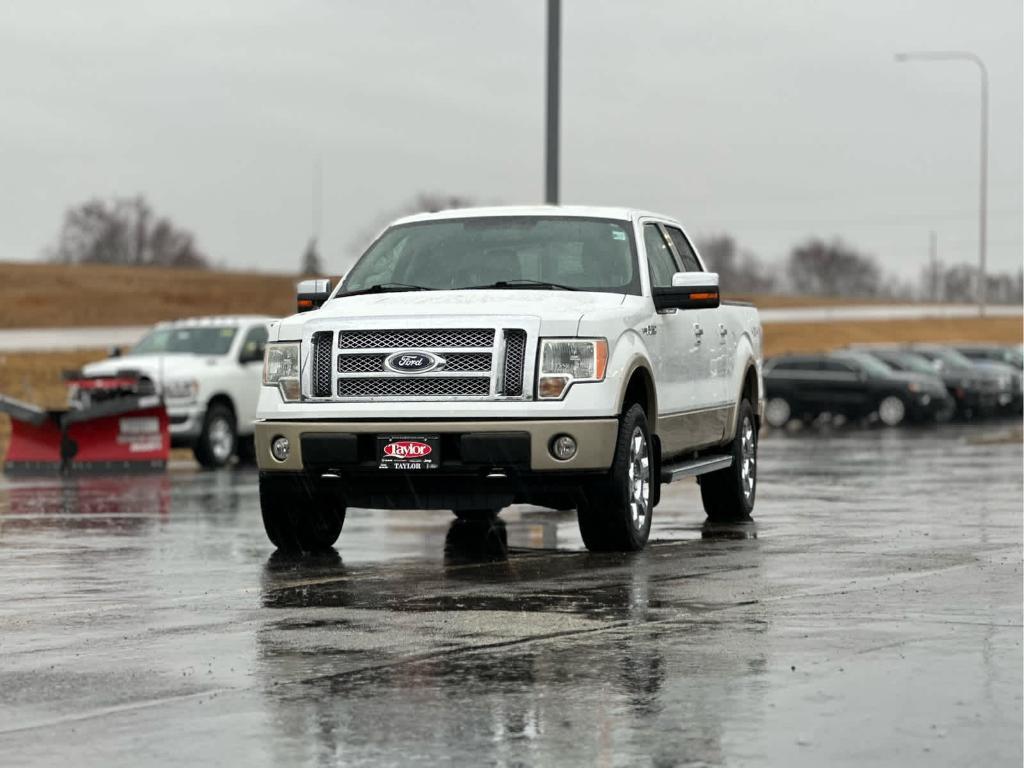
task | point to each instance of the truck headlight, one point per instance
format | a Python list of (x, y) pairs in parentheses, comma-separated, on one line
[(281, 369), (182, 389), (564, 362)]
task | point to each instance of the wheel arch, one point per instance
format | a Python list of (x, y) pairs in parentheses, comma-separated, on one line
[(223, 398), (638, 387)]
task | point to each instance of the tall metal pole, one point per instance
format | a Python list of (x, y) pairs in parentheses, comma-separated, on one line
[(983, 175), (553, 101), (933, 261)]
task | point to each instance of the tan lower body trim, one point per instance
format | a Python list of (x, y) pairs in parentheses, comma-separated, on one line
[(595, 438), (689, 431)]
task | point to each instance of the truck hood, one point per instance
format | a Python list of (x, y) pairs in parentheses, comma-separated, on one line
[(155, 367), (553, 307)]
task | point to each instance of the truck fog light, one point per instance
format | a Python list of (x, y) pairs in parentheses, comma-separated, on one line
[(280, 448), (563, 447)]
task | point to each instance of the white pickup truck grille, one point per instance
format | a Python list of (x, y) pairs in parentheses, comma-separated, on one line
[(479, 363)]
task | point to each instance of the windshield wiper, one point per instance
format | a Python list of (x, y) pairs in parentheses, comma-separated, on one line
[(524, 283), (385, 288)]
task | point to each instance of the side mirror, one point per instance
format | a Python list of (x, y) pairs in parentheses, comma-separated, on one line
[(690, 290), (311, 294)]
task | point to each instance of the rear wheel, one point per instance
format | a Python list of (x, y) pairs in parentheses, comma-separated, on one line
[(300, 514), (728, 494), (219, 438), (616, 514)]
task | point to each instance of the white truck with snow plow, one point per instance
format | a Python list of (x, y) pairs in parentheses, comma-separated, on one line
[(206, 370), (472, 359)]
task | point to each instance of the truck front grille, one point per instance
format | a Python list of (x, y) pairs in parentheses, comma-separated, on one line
[(457, 362), (477, 363), (323, 345), (408, 386), (515, 360), (417, 339)]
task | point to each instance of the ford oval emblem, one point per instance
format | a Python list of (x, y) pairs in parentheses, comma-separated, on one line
[(412, 362)]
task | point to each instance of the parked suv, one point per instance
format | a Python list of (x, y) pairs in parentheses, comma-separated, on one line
[(471, 359), (208, 371), (852, 384)]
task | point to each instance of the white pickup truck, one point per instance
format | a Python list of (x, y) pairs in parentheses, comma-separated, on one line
[(207, 370), (471, 359)]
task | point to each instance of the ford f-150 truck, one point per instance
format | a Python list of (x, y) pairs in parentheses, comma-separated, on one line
[(472, 359)]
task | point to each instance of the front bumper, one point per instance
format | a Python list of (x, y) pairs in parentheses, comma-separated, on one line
[(468, 447), (185, 424)]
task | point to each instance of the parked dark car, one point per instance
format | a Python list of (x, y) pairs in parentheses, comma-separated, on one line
[(993, 353), (1012, 358), (852, 384), (994, 380), (971, 394)]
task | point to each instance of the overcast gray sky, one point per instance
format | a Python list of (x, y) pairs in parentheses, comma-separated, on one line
[(769, 120)]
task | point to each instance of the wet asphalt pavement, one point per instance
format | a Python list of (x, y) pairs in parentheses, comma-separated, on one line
[(871, 615)]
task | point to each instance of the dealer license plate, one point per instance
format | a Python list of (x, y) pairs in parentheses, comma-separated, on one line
[(408, 453)]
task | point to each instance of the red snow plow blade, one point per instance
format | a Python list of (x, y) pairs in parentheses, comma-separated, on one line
[(121, 432)]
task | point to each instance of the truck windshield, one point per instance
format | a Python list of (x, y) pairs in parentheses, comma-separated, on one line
[(197, 341), (505, 252)]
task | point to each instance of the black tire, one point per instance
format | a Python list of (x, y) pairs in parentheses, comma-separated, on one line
[(726, 495), (615, 515), (300, 513), (219, 439), (476, 515)]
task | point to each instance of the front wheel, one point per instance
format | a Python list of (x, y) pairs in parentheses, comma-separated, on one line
[(219, 438), (892, 411), (777, 412), (728, 494), (300, 514), (616, 514)]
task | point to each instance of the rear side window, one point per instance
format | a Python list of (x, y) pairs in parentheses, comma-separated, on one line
[(835, 366), (659, 257), (684, 249)]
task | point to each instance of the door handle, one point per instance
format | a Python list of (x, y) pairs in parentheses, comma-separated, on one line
[(722, 330), (697, 330)]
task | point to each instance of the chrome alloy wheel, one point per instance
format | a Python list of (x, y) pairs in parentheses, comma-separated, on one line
[(222, 439), (748, 457), (639, 474)]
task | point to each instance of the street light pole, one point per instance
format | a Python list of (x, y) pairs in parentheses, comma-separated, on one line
[(983, 176), (553, 101)]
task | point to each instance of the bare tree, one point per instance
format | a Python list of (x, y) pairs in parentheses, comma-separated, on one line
[(311, 263), (423, 202), (833, 269), (124, 231), (737, 270)]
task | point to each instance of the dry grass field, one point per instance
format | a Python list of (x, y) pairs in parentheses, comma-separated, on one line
[(36, 377), (101, 295), (86, 295)]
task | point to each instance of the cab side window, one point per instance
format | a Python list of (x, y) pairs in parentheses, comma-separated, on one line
[(684, 249), (254, 343), (659, 257)]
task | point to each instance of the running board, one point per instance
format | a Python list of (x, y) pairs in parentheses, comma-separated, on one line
[(694, 467)]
